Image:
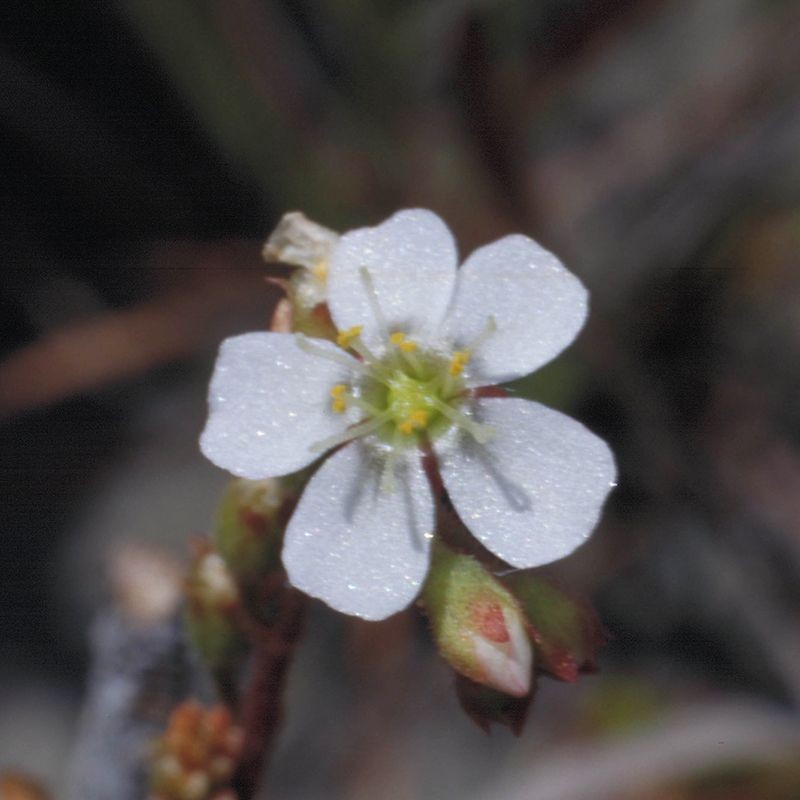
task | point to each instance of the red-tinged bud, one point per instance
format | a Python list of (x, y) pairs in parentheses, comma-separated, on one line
[(213, 611), (477, 624), (250, 522), (565, 629)]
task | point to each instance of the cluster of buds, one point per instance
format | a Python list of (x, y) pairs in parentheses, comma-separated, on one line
[(196, 757), (499, 633)]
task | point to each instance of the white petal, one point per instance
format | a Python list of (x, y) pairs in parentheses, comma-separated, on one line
[(269, 402), (534, 492), (537, 304), (361, 549), (411, 259)]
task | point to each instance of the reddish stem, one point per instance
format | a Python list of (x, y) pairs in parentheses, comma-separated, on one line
[(262, 708)]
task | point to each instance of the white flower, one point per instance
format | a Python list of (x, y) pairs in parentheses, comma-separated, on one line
[(528, 482)]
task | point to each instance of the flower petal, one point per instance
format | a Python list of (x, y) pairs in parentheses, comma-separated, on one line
[(360, 548), (269, 402), (534, 492), (537, 304), (411, 259)]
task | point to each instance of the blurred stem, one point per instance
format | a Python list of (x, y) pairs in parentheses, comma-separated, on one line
[(262, 707)]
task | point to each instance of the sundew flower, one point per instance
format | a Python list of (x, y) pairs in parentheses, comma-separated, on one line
[(418, 341)]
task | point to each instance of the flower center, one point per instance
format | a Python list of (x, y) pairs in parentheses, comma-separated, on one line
[(405, 394), (412, 402)]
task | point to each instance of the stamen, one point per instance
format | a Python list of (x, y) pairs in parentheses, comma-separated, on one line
[(372, 298), (407, 348), (338, 358), (416, 420), (398, 339), (366, 407), (320, 270), (488, 330), (480, 433), (345, 338), (359, 347), (420, 418), (339, 402), (362, 429), (376, 368), (387, 475), (459, 360)]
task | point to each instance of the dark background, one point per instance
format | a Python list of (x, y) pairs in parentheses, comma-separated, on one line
[(149, 147)]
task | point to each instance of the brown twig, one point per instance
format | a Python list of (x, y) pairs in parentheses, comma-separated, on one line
[(262, 710)]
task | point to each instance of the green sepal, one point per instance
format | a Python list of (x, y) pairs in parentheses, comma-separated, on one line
[(565, 629), (215, 617), (250, 522)]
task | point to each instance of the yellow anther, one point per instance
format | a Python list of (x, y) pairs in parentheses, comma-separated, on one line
[(399, 340), (320, 270), (415, 421), (345, 338), (419, 418), (339, 402), (459, 360)]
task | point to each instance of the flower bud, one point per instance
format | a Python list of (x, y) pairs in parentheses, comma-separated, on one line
[(250, 522), (478, 625), (212, 609)]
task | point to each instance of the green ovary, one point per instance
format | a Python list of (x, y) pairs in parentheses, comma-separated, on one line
[(414, 405), (407, 397)]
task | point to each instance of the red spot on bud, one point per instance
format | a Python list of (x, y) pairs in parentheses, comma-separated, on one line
[(256, 524), (487, 616)]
